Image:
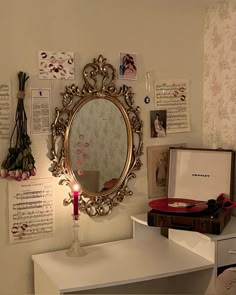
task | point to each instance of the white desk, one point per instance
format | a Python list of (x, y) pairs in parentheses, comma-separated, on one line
[(146, 256)]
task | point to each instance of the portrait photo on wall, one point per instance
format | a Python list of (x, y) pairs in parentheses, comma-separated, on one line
[(157, 169), (128, 66), (157, 161), (158, 123)]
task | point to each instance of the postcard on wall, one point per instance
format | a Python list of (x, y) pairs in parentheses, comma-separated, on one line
[(40, 110), (56, 65), (31, 210), (5, 110), (128, 66), (173, 95)]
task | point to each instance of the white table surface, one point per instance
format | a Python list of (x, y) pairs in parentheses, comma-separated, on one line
[(119, 262)]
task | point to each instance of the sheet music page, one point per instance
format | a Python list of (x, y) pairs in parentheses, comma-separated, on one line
[(5, 110), (31, 210), (173, 96)]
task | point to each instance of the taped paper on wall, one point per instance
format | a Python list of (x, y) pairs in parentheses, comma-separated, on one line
[(5, 110), (31, 210), (40, 110), (173, 96)]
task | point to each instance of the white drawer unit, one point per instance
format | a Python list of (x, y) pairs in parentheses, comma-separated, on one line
[(226, 252), (220, 249)]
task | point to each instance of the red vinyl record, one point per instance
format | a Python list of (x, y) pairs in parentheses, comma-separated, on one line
[(178, 205)]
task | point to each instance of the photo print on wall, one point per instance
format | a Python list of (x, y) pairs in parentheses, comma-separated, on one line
[(56, 65), (128, 66), (157, 162), (157, 169), (158, 123)]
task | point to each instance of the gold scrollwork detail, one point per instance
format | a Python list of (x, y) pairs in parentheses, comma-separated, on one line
[(99, 83)]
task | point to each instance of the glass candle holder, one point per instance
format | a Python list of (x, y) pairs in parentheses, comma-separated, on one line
[(75, 250)]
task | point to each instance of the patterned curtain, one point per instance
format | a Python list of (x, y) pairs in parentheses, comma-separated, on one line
[(219, 126)]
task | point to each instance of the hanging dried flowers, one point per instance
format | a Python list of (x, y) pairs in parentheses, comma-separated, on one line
[(19, 163)]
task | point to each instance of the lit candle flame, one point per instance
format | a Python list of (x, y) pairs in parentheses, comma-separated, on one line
[(76, 188)]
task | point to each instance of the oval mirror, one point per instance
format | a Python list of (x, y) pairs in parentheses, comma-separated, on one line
[(97, 139)]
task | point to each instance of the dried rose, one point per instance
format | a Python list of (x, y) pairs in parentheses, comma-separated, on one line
[(24, 176), (12, 173), (4, 172), (18, 173), (33, 171)]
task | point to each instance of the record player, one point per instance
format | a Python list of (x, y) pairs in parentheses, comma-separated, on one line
[(204, 217), (196, 177)]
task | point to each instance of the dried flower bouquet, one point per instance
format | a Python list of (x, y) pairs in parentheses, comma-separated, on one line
[(19, 163)]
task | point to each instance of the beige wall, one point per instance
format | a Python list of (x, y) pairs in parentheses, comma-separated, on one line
[(167, 35)]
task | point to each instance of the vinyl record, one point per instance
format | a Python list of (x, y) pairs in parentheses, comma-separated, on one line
[(178, 205)]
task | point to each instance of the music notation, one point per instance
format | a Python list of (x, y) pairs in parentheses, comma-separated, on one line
[(173, 97), (31, 210)]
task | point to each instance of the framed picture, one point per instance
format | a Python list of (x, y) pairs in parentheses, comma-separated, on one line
[(128, 66), (157, 168), (158, 123)]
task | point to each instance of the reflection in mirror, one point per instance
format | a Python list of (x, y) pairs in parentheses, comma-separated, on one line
[(98, 145), (97, 139)]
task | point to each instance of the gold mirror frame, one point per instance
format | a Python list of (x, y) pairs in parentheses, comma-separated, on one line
[(99, 82)]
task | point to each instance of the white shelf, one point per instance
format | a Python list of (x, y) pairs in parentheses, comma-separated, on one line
[(140, 218), (120, 262)]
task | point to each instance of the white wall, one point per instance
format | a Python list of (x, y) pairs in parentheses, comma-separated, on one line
[(167, 35)]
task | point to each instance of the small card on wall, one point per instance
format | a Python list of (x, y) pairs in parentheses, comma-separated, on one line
[(31, 210), (56, 65), (40, 110), (128, 66)]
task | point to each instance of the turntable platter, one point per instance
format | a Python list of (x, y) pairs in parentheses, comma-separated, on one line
[(178, 205)]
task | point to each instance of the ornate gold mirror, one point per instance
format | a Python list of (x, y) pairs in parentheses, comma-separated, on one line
[(97, 139)]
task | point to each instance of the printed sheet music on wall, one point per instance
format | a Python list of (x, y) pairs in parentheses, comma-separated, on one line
[(173, 96), (5, 110), (31, 210)]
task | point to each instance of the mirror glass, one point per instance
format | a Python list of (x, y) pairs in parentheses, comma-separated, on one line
[(98, 145)]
